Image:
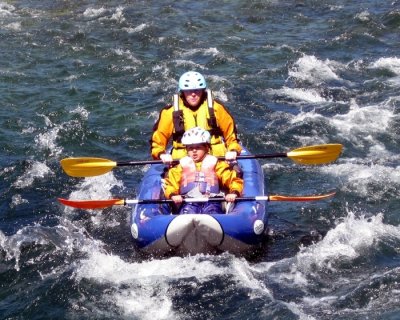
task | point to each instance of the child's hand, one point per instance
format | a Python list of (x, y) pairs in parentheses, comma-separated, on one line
[(177, 199), (231, 197)]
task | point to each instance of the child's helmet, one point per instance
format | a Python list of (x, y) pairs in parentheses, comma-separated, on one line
[(196, 135)]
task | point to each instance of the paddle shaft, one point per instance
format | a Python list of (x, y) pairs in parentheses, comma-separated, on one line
[(100, 204), (220, 199), (311, 155), (205, 199), (250, 156)]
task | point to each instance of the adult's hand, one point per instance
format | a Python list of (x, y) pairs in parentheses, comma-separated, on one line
[(230, 155), (166, 158)]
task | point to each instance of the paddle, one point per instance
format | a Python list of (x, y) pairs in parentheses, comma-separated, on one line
[(100, 204), (311, 155)]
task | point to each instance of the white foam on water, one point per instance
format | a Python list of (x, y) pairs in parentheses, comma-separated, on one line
[(301, 94), (127, 54), (16, 200), (186, 63), (204, 51), (64, 239), (363, 121), (36, 171), (6, 9), (137, 29), (212, 52), (363, 16), (313, 70), (136, 288), (82, 111), (242, 271), (371, 181), (94, 13), (118, 15), (105, 14), (95, 188), (395, 81), (362, 126), (312, 137), (354, 237), (302, 116), (390, 63), (349, 240), (47, 141), (15, 26)]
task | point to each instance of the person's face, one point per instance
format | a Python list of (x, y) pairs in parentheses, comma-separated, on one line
[(193, 97), (197, 151)]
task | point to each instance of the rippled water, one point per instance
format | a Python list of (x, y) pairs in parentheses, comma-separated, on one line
[(87, 78)]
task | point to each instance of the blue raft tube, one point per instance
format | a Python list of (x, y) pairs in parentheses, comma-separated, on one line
[(241, 231)]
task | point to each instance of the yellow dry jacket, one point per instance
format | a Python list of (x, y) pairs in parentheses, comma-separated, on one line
[(228, 179), (175, 119)]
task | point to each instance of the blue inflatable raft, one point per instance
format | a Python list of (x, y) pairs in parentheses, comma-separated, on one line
[(241, 231)]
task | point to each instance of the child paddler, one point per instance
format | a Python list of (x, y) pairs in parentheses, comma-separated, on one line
[(200, 174)]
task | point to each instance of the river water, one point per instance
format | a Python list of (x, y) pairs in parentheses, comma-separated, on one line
[(88, 78)]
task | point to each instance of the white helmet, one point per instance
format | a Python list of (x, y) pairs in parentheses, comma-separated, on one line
[(192, 80), (196, 135)]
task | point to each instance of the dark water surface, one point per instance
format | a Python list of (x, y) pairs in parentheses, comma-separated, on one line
[(87, 78)]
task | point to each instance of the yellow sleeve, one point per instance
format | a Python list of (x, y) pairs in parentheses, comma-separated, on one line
[(172, 181), (228, 127), (162, 132), (228, 178)]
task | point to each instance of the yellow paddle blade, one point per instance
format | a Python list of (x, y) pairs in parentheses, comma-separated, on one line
[(300, 198), (92, 204), (318, 154), (87, 167)]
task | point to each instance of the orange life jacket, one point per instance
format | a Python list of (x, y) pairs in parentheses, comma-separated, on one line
[(205, 179)]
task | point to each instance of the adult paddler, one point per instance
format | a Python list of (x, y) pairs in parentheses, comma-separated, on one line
[(194, 106)]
